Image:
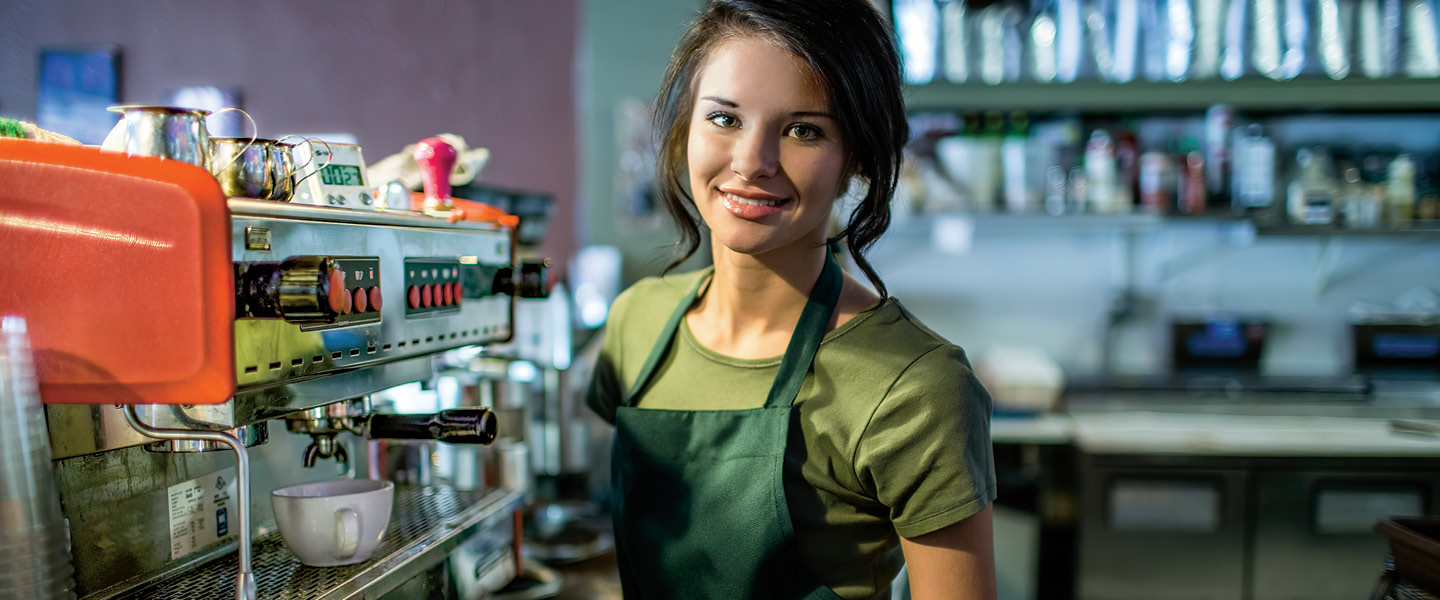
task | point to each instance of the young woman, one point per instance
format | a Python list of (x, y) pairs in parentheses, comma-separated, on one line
[(788, 432)]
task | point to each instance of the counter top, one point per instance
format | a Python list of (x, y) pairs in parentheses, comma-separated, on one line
[(1249, 435), (1297, 425)]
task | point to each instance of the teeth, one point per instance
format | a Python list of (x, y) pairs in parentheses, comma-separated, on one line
[(749, 202)]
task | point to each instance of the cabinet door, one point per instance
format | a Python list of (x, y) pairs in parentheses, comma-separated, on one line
[(1162, 534), (1315, 537)]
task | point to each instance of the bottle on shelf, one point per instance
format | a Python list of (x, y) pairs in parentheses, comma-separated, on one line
[(917, 25), (1400, 192), (990, 171), (1127, 167), (1017, 166), (1056, 190), (1157, 182), (1190, 193), (1101, 179), (1219, 123), (1312, 193), (1042, 43), (955, 40), (1360, 201), (1253, 175)]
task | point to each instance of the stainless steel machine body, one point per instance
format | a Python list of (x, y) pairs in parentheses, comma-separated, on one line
[(154, 517)]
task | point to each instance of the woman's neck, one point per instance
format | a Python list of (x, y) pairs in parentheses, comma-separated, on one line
[(754, 302)]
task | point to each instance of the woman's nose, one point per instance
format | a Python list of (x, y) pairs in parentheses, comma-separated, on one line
[(756, 155)]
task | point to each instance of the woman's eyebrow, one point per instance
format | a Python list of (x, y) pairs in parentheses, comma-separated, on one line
[(721, 101), (795, 114), (813, 113)]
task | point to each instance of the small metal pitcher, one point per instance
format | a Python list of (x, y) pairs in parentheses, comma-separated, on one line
[(165, 132), (256, 168)]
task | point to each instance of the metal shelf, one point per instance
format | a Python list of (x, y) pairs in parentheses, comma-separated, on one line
[(426, 524), (1421, 229), (1311, 95)]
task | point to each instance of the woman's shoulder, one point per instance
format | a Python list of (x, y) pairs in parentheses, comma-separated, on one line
[(891, 329)]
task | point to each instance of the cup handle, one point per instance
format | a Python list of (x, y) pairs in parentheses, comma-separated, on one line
[(328, 157), (347, 532), (254, 132), (294, 170), (308, 158)]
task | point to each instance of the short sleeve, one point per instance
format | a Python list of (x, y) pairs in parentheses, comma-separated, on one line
[(606, 391), (926, 451)]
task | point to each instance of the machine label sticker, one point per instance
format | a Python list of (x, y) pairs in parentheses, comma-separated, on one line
[(199, 511)]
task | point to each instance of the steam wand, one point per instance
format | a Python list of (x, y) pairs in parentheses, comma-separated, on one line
[(245, 580)]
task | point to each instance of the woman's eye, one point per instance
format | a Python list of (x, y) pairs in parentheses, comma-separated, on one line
[(723, 120), (804, 132)]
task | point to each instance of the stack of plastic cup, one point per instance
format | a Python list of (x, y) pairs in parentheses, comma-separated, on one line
[(34, 544)]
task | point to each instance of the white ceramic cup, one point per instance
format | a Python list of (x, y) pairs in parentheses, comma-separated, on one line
[(332, 523)]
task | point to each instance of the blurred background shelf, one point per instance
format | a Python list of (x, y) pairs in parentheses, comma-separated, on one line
[(1253, 94)]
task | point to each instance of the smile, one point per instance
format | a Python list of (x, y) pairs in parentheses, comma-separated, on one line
[(751, 208), (749, 202)]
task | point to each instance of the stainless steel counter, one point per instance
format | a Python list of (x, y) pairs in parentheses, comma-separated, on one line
[(1391, 422)]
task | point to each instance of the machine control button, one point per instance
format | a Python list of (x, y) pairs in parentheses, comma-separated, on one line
[(427, 296), (362, 300), (449, 294), (414, 294), (337, 296), (314, 292), (376, 302)]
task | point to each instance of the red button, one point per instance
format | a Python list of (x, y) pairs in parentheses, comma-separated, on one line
[(459, 292), (337, 297), (427, 295), (449, 294), (414, 294), (375, 301), (362, 301)]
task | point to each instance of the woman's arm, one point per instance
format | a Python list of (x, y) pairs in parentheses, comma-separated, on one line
[(955, 562)]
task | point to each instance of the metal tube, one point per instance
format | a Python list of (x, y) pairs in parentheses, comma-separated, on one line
[(245, 580)]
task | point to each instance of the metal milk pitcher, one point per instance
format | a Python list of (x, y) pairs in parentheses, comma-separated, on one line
[(165, 132)]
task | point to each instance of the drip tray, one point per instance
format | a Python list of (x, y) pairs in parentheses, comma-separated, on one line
[(426, 524)]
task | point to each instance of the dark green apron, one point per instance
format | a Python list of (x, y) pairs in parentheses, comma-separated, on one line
[(699, 503)]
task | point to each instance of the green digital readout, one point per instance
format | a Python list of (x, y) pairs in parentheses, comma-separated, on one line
[(341, 175)]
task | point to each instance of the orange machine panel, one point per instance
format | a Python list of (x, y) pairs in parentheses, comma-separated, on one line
[(121, 267)]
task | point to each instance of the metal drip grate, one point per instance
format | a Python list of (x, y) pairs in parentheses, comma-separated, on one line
[(418, 513)]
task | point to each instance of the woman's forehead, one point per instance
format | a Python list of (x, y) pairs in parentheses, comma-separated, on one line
[(759, 70)]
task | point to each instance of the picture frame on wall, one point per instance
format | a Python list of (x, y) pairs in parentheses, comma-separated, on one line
[(77, 85)]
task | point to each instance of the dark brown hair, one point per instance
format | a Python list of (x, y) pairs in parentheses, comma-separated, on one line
[(851, 49)]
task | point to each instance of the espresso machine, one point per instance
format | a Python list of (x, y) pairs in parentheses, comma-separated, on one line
[(195, 351)]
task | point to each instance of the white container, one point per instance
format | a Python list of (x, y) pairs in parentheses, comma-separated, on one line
[(333, 523)]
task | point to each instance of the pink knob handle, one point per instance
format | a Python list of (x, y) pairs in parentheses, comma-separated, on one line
[(436, 158)]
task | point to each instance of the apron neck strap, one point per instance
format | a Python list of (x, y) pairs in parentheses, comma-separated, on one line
[(667, 337), (804, 342)]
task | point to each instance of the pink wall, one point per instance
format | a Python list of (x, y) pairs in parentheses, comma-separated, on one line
[(498, 72)]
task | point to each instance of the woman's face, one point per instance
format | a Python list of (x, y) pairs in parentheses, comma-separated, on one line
[(765, 154)]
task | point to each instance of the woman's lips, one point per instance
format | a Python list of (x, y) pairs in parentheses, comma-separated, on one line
[(752, 206)]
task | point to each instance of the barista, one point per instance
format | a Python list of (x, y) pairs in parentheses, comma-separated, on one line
[(788, 432)]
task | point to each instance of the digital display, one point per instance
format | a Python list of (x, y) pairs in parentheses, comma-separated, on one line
[(1406, 345), (341, 175), (1210, 345)]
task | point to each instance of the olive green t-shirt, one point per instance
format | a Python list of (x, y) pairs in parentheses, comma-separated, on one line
[(890, 433)]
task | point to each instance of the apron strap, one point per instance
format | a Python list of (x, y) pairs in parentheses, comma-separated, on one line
[(662, 346), (805, 341)]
